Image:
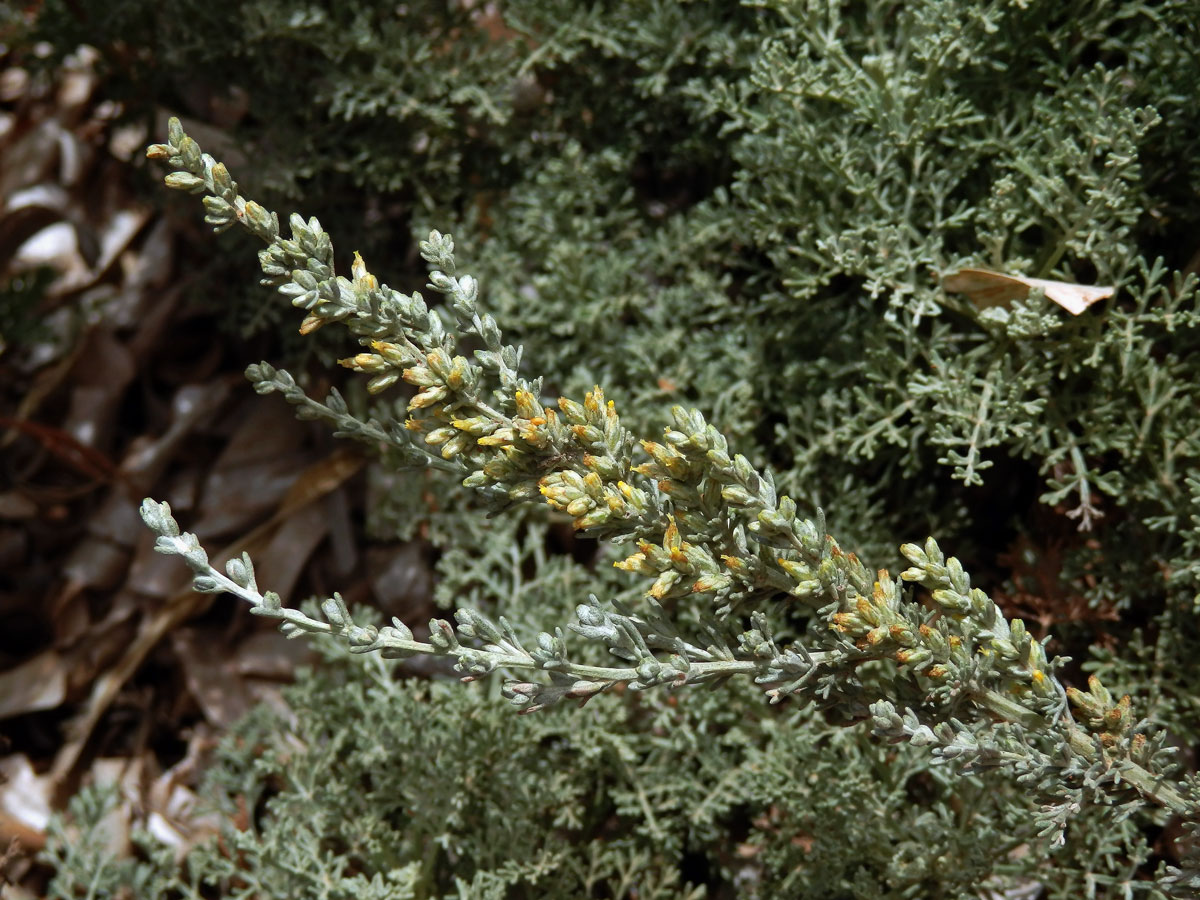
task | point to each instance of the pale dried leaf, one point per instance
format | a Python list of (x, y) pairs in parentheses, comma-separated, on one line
[(987, 288), (36, 684), (24, 801)]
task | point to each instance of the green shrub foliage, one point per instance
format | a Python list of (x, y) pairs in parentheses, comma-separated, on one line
[(735, 220)]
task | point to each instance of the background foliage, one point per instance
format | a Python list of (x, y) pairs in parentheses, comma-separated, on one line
[(743, 209)]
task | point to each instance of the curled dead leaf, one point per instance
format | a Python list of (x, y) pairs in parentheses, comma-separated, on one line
[(986, 288)]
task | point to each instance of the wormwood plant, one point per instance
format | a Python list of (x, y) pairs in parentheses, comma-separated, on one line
[(742, 209), (717, 546)]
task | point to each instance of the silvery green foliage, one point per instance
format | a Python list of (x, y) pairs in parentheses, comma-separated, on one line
[(373, 785), (753, 225), (975, 687), (80, 846), (774, 192), (379, 787)]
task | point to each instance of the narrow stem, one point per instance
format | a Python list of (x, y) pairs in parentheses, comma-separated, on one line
[(1156, 787), (1009, 710)]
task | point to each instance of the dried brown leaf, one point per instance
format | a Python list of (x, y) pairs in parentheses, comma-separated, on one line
[(36, 684), (312, 484)]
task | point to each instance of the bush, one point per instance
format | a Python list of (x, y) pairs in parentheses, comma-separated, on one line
[(746, 211)]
